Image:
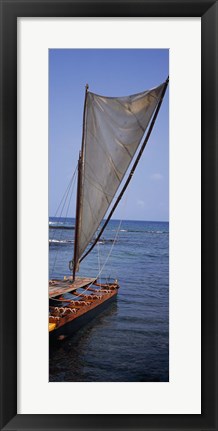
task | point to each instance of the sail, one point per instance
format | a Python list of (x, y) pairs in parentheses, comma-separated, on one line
[(113, 130)]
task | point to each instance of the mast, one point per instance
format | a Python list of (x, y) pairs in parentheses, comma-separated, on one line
[(74, 264), (132, 170)]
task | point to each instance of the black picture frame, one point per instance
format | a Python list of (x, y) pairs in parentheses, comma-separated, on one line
[(10, 11)]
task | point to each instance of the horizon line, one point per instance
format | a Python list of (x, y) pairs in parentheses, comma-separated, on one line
[(118, 219)]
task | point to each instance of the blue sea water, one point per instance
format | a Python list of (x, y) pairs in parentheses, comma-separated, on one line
[(130, 340)]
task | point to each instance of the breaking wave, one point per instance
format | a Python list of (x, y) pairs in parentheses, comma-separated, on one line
[(60, 241), (60, 226)]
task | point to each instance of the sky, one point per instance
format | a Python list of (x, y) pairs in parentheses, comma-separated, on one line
[(109, 72)]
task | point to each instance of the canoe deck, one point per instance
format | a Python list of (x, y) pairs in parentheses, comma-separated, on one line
[(59, 287)]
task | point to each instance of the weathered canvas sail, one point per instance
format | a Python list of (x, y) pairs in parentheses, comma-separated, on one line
[(113, 130)]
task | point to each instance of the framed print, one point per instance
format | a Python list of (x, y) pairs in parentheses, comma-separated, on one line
[(148, 377)]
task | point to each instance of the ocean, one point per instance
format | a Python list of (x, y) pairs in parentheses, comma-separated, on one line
[(129, 341)]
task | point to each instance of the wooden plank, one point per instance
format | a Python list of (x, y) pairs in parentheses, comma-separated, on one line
[(59, 287)]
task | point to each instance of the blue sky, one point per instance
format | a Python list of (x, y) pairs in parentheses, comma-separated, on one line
[(109, 72)]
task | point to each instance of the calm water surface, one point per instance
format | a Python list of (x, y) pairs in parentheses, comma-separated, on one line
[(130, 340)]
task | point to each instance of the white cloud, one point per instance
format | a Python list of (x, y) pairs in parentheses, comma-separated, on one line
[(156, 177)]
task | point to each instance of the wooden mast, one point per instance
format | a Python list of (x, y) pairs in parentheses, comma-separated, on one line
[(79, 193), (132, 170)]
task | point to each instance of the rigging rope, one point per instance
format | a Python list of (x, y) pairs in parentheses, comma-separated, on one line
[(116, 235), (100, 271), (112, 246), (63, 198), (69, 191)]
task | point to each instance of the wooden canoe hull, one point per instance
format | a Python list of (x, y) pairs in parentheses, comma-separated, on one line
[(77, 322)]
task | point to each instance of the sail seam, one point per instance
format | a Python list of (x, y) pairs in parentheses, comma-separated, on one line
[(91, 180), (124, 147), (132, 113), (116, 171)]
